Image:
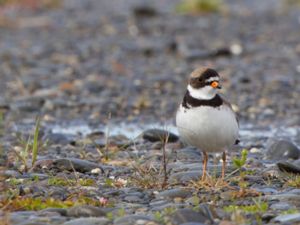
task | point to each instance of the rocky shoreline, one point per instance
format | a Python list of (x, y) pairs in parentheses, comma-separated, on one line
[(105, 79)]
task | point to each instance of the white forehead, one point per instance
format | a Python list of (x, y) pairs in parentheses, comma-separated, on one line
[(213, 79)]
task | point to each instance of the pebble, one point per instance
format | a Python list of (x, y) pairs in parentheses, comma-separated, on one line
[(155, 135), (68, 164), (85, 211), (282, 149), (174, 193), (57, 138), (187, 215), (290, 218), (288, 167), (88, 221), (281, 206), (132, 219), (185, 176)]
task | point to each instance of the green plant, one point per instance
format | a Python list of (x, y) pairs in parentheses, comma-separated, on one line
[(162, 216), (238, 163), (199, 6), (159, 217), (289, 211), (257, 207), (58, 181), (293, 181), (29, 149), (2, 125)]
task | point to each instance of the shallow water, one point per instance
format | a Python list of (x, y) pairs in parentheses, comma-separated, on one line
[(133, 130)]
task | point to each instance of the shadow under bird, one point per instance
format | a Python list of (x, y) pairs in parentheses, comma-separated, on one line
[(204, 119)]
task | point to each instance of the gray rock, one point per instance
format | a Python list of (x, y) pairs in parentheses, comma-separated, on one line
[(154, 135), (32, 222), (19, 217), (290, 218), (133, 199), (187, 215), (85, 211), (62, 212), (286, 197), (282, 149), (132, 219), (57, 138), (174, 193), (185, 176), (169, 205), (192, 223), (156, 203), (190, 154), (68, 164), (88, 221), (288, 167), (281, 206)]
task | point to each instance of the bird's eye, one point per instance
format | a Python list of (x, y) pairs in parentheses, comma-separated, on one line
[(200, 79)]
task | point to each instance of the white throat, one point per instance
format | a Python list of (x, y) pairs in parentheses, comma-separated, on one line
[(206, 92)]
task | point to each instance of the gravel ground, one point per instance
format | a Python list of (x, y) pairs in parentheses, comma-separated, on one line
[(106, 77)]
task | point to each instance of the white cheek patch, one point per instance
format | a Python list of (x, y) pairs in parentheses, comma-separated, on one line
[(206, 92), (213, 79)]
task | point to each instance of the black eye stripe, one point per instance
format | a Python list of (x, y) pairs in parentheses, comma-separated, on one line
[(210, 82)]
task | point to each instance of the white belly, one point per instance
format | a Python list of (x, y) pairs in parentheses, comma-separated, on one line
[(209, 129)]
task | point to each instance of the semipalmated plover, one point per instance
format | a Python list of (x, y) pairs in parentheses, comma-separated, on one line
[(204, 119)]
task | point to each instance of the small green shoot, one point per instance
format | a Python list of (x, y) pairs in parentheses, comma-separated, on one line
[(58, 181), (29, 149), (257, 207), (159, 217), (238, 163), (289, 211), (293, 181), (35, 141), (199, 6)]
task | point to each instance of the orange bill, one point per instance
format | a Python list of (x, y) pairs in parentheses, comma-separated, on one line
[(215, 84)]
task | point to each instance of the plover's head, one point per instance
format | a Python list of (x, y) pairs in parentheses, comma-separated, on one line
[(204, 83)]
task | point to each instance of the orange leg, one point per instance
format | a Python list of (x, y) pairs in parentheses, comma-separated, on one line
[(205, 159), (224, 165)]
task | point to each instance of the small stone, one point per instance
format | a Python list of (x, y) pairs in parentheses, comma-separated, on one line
[(132, 219), (69, 164), (154, 135), (96, 171), (288, 167), (174, 193), (133, 199), (281, 206), (185, 176), (62, 212), (187, 215), (85, 211), (282, 149), (88, 221), (57, 138), (144, 11), (290, 218)]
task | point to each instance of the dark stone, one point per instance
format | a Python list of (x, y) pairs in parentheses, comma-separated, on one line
[(85, 211), (57, 138), (144, 11), (88, 221), (69, 164), (282, 149), (61, 211), (288, 167), (175, 193), (187, 215), (154, 135)]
